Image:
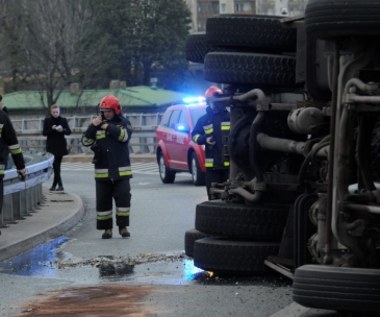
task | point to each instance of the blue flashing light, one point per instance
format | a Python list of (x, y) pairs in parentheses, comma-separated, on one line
[(189, 100), (181, 127)]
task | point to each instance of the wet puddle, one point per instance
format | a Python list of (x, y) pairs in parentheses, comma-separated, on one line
[(47, 260)]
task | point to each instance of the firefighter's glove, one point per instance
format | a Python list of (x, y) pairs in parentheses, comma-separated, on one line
[(22, 174), (210, 140)]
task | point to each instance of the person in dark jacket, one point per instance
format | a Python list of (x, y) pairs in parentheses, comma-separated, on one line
[(55, 129), (6, 151), (109, 135), (8, 140), (212, 130)]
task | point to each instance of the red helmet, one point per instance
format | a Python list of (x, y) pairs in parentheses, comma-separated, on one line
[(213, 91), (110, 102)]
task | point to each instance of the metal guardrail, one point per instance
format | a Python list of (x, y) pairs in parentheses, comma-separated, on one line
[(22, 197), (143, 139)]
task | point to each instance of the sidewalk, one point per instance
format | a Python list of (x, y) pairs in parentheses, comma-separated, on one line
[(59, 212)]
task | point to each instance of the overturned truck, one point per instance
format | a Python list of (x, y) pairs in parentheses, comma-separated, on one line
[(303, 196)]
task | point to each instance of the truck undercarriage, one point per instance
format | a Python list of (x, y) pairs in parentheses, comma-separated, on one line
[(303, 195)]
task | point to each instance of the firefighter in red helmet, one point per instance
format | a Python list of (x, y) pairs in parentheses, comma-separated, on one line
[(212, 130), (109, 135)]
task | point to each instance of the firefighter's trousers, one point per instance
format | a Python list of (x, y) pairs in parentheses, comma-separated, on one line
[(107, 191)]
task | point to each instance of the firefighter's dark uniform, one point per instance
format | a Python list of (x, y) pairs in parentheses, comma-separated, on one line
[(112, 170), (8, 143), (215, 125)]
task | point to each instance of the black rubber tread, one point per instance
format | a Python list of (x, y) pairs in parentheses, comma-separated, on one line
[(327, 19), (261, 222), (169, 176), (225, 256), (190, 237), (250, 68), (197, 47), (337, 288), (255, 31)]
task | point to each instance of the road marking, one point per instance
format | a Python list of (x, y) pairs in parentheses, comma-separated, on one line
[(142, 168)]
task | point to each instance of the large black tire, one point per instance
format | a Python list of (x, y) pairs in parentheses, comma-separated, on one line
[(249, 68), (261, 222), (197, 175), (327, 19), (197, 48), (232, 257), (337, 288), (255, 31), (167, 176), (190, 237)]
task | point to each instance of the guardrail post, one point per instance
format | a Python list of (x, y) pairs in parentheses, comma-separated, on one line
[(8, 209)]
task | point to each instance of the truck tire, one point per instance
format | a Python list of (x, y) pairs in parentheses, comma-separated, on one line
[(328, 19), (232, 257), (250, 68), (337, 288), (260, 222), (197, 47), (250, 31), (190, 237)]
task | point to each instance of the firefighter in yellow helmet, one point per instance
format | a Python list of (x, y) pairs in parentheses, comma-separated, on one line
[(109, 135), (212, 130)]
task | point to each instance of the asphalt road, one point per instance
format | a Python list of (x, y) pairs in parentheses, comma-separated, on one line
[(67, 277)]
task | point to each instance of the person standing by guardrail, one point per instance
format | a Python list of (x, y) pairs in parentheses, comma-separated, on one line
[(109, 135), (55, 128), (8, 140)]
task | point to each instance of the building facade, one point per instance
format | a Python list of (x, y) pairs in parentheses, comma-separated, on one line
[(203, 9)]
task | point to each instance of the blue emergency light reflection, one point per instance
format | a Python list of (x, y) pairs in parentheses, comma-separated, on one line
[(191, 272), (180, 127), (189, 100), (37, 262)]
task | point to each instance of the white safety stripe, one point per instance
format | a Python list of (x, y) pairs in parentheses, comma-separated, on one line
[(125, 168), (122, 208), (101, 170), (13, 147), (104, 213)]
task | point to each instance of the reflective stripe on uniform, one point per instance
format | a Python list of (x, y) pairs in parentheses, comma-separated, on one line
[(125, 171), (225, 126), (87, 141), (100, 134), (196, 137), (226, 163), (209, 162), (104, 215), (15, 149), (123, 136), (122, 211), (101, 173), (209, 129)]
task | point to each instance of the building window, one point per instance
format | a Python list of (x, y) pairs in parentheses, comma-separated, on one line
[(223, 8)]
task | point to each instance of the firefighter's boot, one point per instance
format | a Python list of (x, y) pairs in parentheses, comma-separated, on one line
[(124, 232), (107, 234)]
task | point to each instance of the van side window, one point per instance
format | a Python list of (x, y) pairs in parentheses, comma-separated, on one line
[(165, 119), (174, 119)]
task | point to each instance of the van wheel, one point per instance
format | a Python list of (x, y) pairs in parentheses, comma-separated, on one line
[(167, 176), (197, 175), (337, 288)]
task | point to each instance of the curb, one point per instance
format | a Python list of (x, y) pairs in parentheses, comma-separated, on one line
[(56, 215)]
